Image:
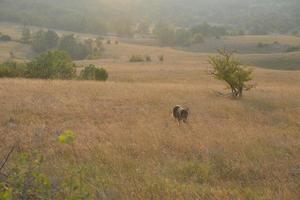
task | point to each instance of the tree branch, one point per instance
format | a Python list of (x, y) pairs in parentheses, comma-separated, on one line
[(6, 158)]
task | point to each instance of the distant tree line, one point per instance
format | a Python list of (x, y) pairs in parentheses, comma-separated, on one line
[(92, 16), (170, 35), (51, 65), (42, 41)]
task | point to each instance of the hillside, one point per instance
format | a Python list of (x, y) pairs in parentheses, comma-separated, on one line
[(127, 145), (123, 142), (99, 16)]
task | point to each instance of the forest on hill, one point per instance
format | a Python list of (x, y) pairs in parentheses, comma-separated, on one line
[(117, 16)]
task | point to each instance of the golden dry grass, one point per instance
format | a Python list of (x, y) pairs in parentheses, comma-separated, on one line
[(266, 39), (128, 143)]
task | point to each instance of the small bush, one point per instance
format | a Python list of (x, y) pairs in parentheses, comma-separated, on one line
[(67, 137), (93, 73), (12, 69), (137, 58), (262, 45), (5, 38), (108, 42), (293, 48), (198, 38), (161, 58), (148, 58), (116, 42)]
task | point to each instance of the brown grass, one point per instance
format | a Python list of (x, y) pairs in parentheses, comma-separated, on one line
[(127, 143)]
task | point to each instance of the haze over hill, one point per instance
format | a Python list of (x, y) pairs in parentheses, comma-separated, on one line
[(98, 16)]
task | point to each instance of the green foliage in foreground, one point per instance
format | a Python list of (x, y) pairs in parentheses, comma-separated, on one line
[(91, 72), (227, 69), (67, 137)]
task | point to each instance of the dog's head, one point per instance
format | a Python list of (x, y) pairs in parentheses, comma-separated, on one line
[(184, 115)]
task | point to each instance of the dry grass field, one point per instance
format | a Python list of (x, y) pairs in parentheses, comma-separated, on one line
[(128, 146)]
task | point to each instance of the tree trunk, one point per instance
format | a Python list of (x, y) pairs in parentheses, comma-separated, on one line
[(240, 93)]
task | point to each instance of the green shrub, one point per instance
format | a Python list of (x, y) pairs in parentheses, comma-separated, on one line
[(293, 48), (25, 179), (51, 65), (91, 72), (12, 69), (262, 45), (148, 58), (5, 38), (137, 58), (161, 58), (75, 48), (67, 137), (198, 38)]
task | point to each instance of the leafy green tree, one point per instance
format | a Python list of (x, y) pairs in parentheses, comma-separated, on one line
[(228, 69), (164, 33), (198, 38), (44, 40), (26, 36), (12, 69), (143, 27), (51, 65), (5, 38), (91, 72), (182, 37), (76, 49), (51, 38), (123, 27)]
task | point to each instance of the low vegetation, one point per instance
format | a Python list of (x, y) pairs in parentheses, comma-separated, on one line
[(42, 41), (230, 70), (5, 38), (91, 72), (173, 36), (12, 69), (137, 58), (51, 65)]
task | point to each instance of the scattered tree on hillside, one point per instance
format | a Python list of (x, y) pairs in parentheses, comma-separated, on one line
[(123, 27), (228, 69), (51, 65), (143, 27), (164, 33), (44, 40), (75, 48), (26, 36)]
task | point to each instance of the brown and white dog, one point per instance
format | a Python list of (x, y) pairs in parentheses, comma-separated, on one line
[(180, 114)]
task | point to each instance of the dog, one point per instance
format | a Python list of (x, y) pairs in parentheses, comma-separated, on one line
[(180, 114)]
